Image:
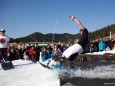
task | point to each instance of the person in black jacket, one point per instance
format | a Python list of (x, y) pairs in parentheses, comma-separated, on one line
[(80, 46)]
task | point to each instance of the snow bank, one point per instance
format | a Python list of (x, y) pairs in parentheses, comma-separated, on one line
[(27, 73)]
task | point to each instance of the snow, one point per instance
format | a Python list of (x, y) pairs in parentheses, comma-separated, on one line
[(103, 52), (27, 73)]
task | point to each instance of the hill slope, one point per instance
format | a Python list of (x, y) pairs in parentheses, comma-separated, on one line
[(39, 37)]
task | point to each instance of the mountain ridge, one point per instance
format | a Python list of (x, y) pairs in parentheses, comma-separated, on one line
[(64, 37)]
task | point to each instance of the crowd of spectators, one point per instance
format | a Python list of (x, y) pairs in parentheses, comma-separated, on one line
[(101, 45), (33, 52)]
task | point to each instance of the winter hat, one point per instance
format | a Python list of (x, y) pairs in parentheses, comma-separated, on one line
[(2, 30)]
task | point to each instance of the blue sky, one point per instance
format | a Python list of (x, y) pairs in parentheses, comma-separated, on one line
[(23, 17)]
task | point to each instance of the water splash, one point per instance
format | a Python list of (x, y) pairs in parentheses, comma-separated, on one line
[(102, 72)]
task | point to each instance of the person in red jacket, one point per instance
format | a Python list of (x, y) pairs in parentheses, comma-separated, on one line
[(32, 53)]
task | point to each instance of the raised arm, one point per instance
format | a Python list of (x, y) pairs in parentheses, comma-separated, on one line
[(77, 21)]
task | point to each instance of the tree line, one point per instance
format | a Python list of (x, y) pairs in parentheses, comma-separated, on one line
[(104, 32), (39, 37)]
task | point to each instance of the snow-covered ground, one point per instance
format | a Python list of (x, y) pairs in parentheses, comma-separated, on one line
[(27, 73), (103, 52)]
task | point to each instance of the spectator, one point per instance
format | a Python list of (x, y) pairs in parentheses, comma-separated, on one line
[(32, 54), (44, 54), (19, 52), (38, 50), (56, 52), (8, 57), (4, 42), (63, 47), (96, 43), (101, 45), (49, 50), (26, 56), (13, 53), (92, 48)]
